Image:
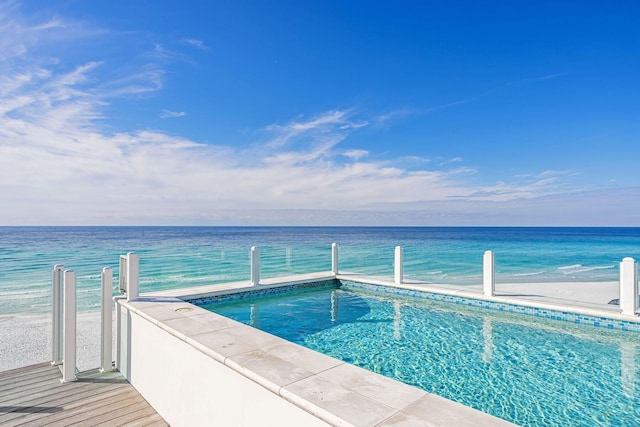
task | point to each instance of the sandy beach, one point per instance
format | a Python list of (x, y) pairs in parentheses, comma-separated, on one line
[(26, 338)]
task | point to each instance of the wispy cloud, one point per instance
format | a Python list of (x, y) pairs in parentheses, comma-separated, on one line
[(540, 79), (355, 154), (451, 160), (395, 114), (320, 129), (60, 163), (199, 44), (295, 167), (168, 114)]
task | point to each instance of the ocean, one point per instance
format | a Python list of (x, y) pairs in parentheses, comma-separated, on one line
[(180, 257)]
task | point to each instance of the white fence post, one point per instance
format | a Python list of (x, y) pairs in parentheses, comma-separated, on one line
[(69, 325), (629, 286), (56, 315), (118, 359), (132, 276), (255, 265), (106, 346), (398, 266), (334, 259), (489, 277)]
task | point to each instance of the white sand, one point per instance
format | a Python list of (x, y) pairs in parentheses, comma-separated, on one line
[(25, 339)]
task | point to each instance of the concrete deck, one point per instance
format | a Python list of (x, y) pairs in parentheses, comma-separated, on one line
[(34, 396)]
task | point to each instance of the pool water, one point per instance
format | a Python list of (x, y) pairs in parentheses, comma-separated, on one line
[(527, 370)]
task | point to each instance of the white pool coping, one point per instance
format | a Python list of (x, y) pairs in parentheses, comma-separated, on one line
[(334, 391)]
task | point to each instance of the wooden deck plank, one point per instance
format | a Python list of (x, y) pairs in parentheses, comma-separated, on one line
[(34, 396), (8, 383), (30, 386), (57, 398), (24, 369), (143, 413), (76, 407), (154, 420), (20, 375), (96, 409), (53, 394), (114, 413)]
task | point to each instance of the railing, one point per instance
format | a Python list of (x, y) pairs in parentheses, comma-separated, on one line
[(63, 337), (63, 348), (64, 303)]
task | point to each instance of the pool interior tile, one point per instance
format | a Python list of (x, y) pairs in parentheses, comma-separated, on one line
[(566, 313)]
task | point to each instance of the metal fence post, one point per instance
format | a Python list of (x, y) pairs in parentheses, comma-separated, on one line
[(489, 277), (334, 259), (132, 276), (629, 286), (255, 265), (106, 346), (56, 315), (398, 266), (118, 361), (69, 325)]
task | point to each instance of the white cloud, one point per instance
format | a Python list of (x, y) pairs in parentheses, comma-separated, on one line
[(355, 154), (199, 44), (452, 160), (386, 117), (168, 114), (60, 164)]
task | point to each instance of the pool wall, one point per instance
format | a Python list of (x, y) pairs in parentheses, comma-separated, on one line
[(569, 314), (188, 387)]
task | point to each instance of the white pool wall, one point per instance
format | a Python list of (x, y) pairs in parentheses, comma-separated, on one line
[(189, 388)]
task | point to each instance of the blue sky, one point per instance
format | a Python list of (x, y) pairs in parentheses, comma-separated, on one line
[(320, 113)]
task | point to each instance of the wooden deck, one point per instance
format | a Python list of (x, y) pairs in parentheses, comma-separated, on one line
[(34, 396)]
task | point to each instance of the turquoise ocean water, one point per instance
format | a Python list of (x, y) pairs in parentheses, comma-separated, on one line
[(179, 257)]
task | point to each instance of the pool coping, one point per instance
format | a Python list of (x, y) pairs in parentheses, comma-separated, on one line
[(334, 391)]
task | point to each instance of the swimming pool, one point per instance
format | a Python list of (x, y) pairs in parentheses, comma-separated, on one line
[(527, 370)]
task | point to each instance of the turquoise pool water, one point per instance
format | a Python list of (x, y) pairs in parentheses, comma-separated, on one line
[(530, 371)]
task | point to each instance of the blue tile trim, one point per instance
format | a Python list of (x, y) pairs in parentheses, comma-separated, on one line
[(262, 292), (601, 322)]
